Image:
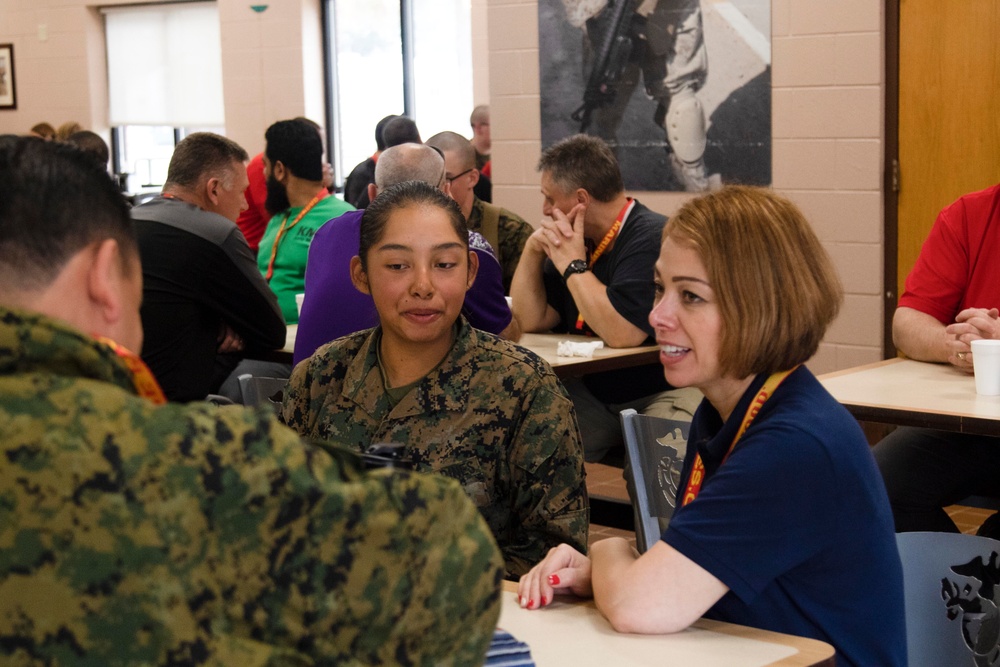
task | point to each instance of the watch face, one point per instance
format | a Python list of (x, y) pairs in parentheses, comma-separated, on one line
[(574, 267)]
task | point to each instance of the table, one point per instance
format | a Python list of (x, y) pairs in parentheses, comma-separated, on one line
[(573, 632), (544, 345), (915, 393), (605, 359)]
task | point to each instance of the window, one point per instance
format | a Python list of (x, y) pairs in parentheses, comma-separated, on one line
[(396, 56), (164, 82)]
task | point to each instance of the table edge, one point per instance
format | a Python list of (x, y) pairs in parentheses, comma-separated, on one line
[(810, 652)]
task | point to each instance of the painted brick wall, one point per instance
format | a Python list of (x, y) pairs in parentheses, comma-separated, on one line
[(827, 131)]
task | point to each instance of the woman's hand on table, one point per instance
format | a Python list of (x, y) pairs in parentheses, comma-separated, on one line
[(563, 568)]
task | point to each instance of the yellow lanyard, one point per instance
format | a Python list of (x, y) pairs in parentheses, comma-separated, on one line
[(145, 384), (698, 469), (282, 230), (602, 246)]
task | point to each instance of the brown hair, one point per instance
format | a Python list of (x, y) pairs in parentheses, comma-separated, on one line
[(582, 161), (203, 155), (455, 143), (776, 286)]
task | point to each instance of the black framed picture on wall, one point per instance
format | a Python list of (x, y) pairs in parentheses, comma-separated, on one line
[(680, 89), (8, 97)]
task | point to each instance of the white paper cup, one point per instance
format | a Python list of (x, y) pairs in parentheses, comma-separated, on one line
[(300, 297), (986, 364)]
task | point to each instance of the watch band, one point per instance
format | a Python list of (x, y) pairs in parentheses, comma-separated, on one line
[(574, 267)]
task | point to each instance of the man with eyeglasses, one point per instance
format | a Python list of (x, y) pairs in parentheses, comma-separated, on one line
[(507, 232), (333, 307)]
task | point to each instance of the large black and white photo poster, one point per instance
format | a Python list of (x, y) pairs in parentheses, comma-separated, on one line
[(681, 89)]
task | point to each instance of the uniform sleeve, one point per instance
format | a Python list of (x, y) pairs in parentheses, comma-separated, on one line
[(297, 409), (346, 565), (939, 279), (513, 233), (242, 297), (549, 494)]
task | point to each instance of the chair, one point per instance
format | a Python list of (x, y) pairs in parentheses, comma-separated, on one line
[(654, 455), (257, 390), (949, 580)]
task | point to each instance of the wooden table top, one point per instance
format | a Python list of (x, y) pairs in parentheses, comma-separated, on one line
[(573, 632), (545, 345), (605, 359), (915, 393)]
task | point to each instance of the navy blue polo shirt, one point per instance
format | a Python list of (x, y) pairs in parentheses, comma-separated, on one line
[(796, 523)]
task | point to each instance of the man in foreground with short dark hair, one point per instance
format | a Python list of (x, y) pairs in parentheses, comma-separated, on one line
[(137, 532), (205, 303)]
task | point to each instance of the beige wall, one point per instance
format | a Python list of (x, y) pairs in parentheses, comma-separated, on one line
[(827, 110), (272, 64), (827, 127)]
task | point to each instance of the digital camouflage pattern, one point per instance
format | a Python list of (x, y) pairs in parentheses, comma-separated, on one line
[(137, 534), (512, 232), (492, 415)]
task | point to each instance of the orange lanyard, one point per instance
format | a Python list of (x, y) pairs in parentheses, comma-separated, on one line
[(282, 230), (602, 246), (698, 469), (145, 384)]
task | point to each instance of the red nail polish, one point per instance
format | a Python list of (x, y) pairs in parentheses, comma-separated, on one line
[(531, 603), (544, 602), (553, 579)]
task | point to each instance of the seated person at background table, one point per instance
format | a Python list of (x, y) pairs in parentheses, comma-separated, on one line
[(204, 302), (293, 166), (356, 185), (587, 271), (505, 231), (479, 121), (396, 131), (782, 521), (253, 221), (951, 298), (333, 307), (462, 402), (142, 533), (92, 143)]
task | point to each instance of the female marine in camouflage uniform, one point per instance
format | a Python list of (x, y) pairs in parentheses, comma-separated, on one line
[(463, 402)]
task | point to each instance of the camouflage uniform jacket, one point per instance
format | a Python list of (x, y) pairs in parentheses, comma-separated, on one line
[(492, 415), (138, 534), (512, 234)]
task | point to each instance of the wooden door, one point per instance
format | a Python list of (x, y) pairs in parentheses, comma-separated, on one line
[(949, 112)]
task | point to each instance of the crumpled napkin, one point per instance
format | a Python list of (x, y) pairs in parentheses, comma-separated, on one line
[(568, 348)]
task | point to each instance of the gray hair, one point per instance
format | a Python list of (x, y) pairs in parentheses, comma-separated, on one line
[(409, 162)]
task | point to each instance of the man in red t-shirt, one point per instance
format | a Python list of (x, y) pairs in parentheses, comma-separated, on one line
[(951, 298), (253, 221)]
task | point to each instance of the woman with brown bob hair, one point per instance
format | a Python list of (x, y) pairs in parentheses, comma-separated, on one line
[(782, 519)]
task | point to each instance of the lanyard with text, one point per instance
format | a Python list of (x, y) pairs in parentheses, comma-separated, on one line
[(698, 469), (603, 245), (145, 384), (282, 230)]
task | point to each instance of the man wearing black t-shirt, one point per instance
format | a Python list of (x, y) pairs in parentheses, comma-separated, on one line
[(589, 270)]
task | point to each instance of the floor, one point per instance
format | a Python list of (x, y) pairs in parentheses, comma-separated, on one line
[(606, 483)]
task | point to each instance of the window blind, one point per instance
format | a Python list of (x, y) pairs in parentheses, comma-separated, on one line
[(164, 65)]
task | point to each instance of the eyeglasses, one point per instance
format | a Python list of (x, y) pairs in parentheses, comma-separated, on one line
[(451, 179)]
